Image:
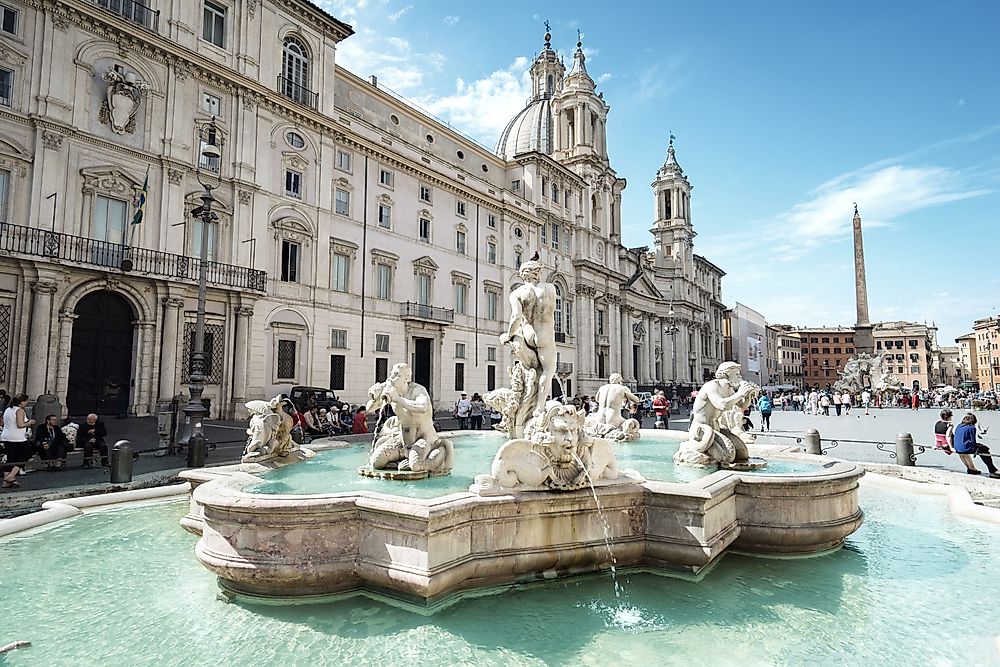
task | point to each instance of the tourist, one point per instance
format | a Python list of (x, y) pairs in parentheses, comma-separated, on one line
[(866, 398), (661, 409), (360, 424), (636, 413), (93, 433), (463, 411), (765, 406), (14, 440), (814, 402), (845, 400), (915, 401), (824, 403), (4, 400), (346, 420), (478, 410), (944, 433), (311, 422), (333, 422), (838, 403), (324, 422), (51, 443), (966, 446)]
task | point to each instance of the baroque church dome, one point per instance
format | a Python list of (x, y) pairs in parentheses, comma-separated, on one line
[(529, 130)]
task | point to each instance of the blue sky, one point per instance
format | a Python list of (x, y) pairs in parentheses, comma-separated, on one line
[(785, 113)]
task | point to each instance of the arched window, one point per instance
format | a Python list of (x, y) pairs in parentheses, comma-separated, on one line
[(548, 84), (294, 82), (559, 309)]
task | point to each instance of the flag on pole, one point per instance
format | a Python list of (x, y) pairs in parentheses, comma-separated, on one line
[(140, 204)]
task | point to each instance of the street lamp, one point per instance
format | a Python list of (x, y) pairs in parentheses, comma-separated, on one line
[(672, 329), (194, 437)]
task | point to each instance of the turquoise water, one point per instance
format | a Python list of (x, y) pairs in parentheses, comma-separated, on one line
[(336, 470), (914, 586)]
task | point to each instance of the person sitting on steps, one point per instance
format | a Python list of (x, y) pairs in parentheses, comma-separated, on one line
[(966, 446)]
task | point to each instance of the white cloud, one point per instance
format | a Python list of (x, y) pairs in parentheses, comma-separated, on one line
[(345, 10), (604, 77), (391, 59), (395, 16), (451, 20), (482, 108)]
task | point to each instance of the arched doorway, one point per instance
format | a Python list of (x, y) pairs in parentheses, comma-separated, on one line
[(100, 364)]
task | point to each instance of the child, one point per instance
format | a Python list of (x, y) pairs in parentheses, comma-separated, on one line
[(944, 432)]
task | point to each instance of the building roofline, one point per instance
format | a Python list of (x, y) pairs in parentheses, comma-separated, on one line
[(341, 29), (702, 259)]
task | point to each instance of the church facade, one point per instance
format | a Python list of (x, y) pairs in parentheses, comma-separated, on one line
[(353, 232)]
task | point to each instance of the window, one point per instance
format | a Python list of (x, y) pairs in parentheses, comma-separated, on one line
[(286, 366), (339, 270), (424, 289), (545, 234), (517, 259), (914, 369), (383, 281), (295, 140), (460, 241), (343, 160), (459, 377), (385, 216), (518, 233), (295, 71), (214, 24), (555, 193), (912, 343), (425, 193), (491, 221), (515, 185), (4, 189), (343, 202), (491, 252), (293, 184), (338, 338), (492, 312), (109, 219), (211, 104), (461, 297), (491, 378), (460, 208), (381, 369), (289, 261), (424, 230), (569, 319), (8, 19), (559, 310), (555, 236), (196, 235), (491, 353), (381, 342), (385, 177), (460, 350), (600, 322), (826, 339), (338, 366), (544, 191)]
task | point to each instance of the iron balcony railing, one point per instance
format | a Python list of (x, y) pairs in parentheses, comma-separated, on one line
[(297, 92), (55, 246), (418, 311), (133, 11)]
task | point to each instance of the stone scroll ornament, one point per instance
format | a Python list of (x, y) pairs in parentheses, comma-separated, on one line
[(124, 94), (556, 454), (408, 441), (269, 435), (608, 421), (716, 435)]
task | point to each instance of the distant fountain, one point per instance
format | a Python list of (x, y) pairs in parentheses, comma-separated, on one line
[(608, 421), (717, 436)]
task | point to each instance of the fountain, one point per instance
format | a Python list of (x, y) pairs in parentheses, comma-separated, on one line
[(533, 515), (269, 435)]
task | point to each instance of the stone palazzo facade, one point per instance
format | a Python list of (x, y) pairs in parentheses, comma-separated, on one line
[(353, 230)]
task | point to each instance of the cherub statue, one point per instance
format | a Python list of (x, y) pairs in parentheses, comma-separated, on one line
[(269, 435)]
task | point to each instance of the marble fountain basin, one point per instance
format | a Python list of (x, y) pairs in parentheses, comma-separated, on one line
[(423, 550)]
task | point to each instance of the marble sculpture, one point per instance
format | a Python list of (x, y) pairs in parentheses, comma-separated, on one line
[(269, 435), (608, 421), (716, 433)]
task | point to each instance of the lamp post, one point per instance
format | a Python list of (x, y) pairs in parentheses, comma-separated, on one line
[(194, 437), (672, 329)]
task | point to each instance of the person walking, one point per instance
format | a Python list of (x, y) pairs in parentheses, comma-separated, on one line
[(845, 400), (660, 407), (967, 447), (944, 433), (824, 403), (915, 401), (814, 402), (838, 402), (14, 440), (477, 411), (866, 398), (463, 411), (765, 406)]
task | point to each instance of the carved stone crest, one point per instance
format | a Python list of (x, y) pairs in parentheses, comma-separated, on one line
[(175, 176), (124, 94), (52, 140)]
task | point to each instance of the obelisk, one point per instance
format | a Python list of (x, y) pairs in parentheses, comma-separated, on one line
[(864, 342)]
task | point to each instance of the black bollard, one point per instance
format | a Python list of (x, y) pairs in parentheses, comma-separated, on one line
[(814, 444), (121, 462), (904, 450), (196, 450)]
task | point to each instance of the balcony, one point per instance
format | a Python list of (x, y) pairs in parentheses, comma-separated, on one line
[(59, 248), (564, 368), (135, 12), (560, 337), (296, 92), (418, 311)]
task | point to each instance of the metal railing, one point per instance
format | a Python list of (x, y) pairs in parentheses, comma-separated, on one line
[(133, 11), (418, 311), (297, 92), (58, 247)]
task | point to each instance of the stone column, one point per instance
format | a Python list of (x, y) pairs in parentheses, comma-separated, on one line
[(142, 395), (37, 378), (626, 343), (651, 326), (243, 313), (64, 346), (580, 125), (172, 339), (614, 337)]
